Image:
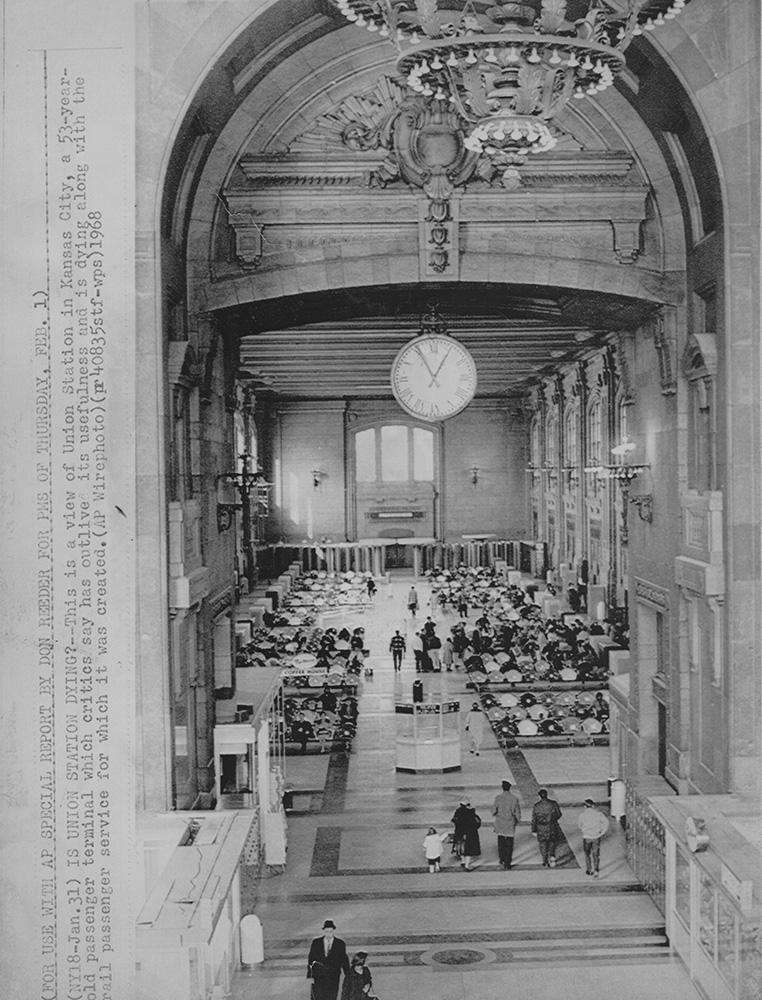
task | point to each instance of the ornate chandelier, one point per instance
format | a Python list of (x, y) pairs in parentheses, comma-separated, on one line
[(508, 68)]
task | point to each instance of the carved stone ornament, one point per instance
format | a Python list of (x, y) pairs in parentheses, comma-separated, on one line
[(359, 123), (423, 138), (428, 145), (620, 358)]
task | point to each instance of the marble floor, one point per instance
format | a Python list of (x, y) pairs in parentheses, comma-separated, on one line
[(355, 856)]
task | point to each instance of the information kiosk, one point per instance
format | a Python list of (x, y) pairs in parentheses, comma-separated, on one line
[(428, 737)]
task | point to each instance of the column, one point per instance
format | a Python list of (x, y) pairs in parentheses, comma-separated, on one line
[(377, 560), (416, 560)]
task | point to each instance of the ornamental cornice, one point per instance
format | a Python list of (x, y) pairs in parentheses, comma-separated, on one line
[(586, 171)]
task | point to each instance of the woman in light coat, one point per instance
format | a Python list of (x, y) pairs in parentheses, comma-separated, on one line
[(475, 727)]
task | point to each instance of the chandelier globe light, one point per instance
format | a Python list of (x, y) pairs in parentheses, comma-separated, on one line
[(508, 68)]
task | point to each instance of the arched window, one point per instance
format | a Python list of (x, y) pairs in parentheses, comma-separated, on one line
[(571, 436), (595, 433), (394, 453), (700, 369), (551, 440), (535, 457)]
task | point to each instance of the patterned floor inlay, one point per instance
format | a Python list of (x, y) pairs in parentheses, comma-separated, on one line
[(325, 856), (458, 956), (335, 790)]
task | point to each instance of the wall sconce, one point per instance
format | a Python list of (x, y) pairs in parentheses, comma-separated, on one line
[(625, 473), (552, 473), (474, 470), (571, 474), (248, 484), (645, 504), (317, 477), (251, 486)]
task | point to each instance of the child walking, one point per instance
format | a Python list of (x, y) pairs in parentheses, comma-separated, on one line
[(432, 845)]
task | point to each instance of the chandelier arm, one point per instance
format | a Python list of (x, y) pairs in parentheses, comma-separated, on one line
[(387, 6), (466, 115)]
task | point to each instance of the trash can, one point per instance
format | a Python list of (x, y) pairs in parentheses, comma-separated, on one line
[(618, 796), (418, 690), (252, 940)]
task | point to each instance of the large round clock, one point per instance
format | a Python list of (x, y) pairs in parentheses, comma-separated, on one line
[(433, 377)]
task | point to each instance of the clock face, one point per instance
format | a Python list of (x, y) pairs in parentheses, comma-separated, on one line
[(433, 377)]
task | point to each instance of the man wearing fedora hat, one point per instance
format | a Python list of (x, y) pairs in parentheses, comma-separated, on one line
[(326, 962)]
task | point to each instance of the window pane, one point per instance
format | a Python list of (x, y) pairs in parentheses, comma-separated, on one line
[(365, 456), (394, 465), (423, 454)]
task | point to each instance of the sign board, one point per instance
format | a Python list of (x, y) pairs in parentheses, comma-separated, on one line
[(411, 708)]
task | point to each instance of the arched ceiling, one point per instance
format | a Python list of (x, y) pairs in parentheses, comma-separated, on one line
[(253, 119)]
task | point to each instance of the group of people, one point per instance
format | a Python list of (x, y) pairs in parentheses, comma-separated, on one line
[(511, 634), (330, 718), (506, 811)]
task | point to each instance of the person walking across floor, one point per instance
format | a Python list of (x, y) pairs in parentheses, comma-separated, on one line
[(468, 824), (397, 648), (326, 962), (458, 833), (447, 654), (433, 646), (545, 816), (475, 727), (593, 825), (358, 981), (412, 601), (507, 812), (432, 846), (416, 644)]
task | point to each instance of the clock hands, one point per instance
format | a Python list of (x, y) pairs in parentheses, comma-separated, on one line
[(434, 374)]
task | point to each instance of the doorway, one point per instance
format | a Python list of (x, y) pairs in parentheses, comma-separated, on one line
[(398, 557)]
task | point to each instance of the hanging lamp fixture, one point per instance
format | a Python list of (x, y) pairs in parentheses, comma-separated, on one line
[(509, 68)]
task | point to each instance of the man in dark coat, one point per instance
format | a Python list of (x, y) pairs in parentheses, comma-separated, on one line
[(397, 647), (326, 962), (545, 816)]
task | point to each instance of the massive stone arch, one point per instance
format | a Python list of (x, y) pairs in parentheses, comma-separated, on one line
[(230, 77)]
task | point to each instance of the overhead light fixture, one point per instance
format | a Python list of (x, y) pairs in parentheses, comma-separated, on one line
[(508, 68)]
